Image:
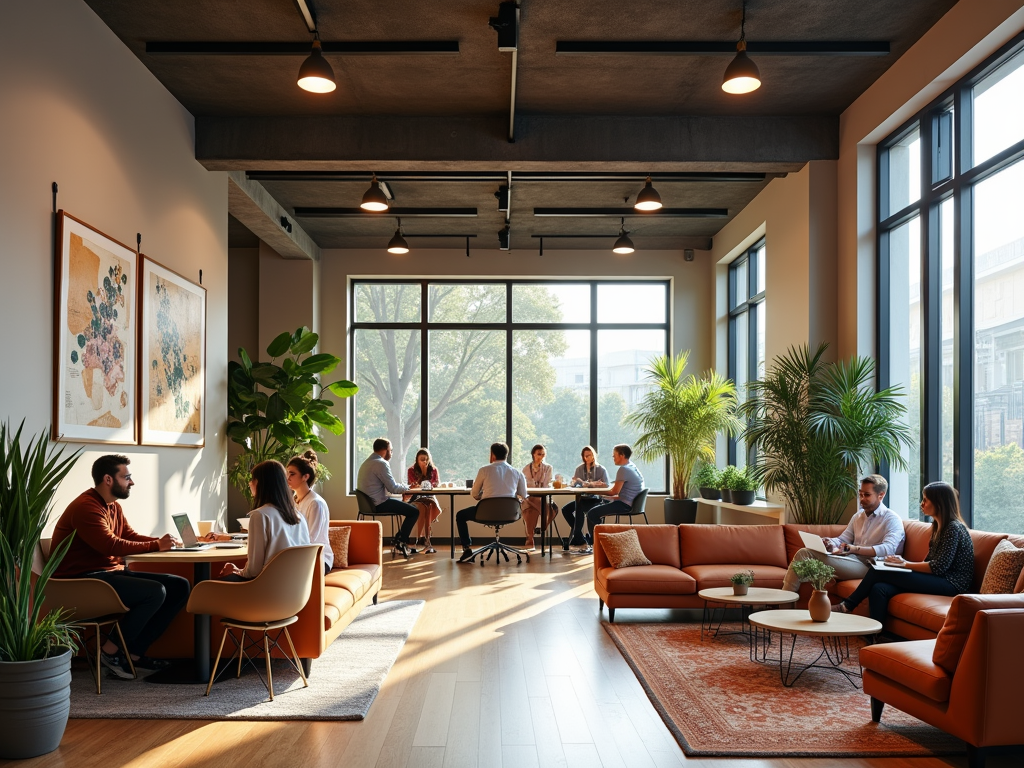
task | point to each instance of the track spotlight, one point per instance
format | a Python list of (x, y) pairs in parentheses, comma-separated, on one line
[(623, 244), (374, 199), (315, 74), (742, 75), (398, 243), (648, 199), (504, 237)]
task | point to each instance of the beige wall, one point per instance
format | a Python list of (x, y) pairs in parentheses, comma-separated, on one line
[(79, 109), (286, 296)]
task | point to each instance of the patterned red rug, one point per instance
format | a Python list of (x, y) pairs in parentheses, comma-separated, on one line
[(718, 703)]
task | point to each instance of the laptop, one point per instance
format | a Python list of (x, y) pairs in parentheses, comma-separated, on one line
[(188, 536), (811, 541)]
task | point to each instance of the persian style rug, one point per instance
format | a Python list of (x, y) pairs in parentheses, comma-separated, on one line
[(343, 684), (718, 703)]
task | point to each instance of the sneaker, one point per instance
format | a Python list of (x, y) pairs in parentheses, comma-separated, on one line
[(115, 663), (466, 555), (584, 549), (148, 664)]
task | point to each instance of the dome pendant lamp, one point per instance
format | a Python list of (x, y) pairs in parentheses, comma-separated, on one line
[(742, 75), (374, 199), (623, 244), (315, 74), (398, 243), (648, 199)]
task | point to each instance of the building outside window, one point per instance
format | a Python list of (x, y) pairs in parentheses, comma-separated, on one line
[(458, 365), (951, 292), (746, 331)]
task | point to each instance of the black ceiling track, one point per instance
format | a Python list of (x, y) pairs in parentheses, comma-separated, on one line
[(409, 213), (347, 48), (663, 213), (469, 177), (707, 48)]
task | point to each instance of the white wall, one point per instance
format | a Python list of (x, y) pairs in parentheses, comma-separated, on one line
[(78, 108)]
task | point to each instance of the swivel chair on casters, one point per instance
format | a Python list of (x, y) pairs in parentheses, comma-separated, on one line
[(495, 513)]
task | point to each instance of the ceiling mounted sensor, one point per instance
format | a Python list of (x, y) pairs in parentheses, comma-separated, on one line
[(398, 243), (315, 74), (648, 199), (374, 199), (623, 244), (742, 75)]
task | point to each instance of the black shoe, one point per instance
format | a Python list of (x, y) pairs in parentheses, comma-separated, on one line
[(404, 550), (147, 664), (467, 555), (115, 663)]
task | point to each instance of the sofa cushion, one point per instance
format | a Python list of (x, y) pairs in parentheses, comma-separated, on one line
[(985, 544), (928, 611), (747, 544), (660, 543), (1004, 569), (794, 543), (949, 645), (339, 537), (709, 576), (909, 664), (337, 602), (646, 580), (355, 580), (919, 536), (623, 549)]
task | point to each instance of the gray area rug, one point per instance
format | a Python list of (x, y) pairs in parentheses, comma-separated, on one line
[(343, 684)]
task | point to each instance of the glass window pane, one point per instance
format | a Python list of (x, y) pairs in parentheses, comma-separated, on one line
[(551, 303), (622, 357), (905, 357), (387, 303), (742, 282), (741, 365), (942, 146), (465, 303), (551, 396), (761, 362), (466, 405), (946, 257), (631, 302), (387, 370), (999, 110), (999, 352), (761, 267), (904, 172)]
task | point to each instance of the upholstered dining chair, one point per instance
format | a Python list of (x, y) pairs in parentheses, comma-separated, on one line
[(497, 513), (269, 602)]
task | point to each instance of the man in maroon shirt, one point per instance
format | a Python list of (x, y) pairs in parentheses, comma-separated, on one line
[(102, 537)]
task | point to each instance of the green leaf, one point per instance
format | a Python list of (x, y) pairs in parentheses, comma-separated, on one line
[(295, 403), (244, 357), (306, 342), (276, 408), (299, 387), (267, 374), (322, 363), (316, 445), (238, 431), (328, 420), (279, 345), (343, 388)]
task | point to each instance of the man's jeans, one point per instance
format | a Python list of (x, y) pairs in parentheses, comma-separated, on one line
[(153, 600)]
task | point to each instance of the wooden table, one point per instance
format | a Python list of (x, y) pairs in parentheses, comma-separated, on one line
[(546, 493), (834, 634), (725, 597), (201, 562), (776, 512)]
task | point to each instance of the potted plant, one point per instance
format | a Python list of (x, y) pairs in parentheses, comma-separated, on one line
[(741, 582), (35, 650), (275, 411), (743, 486), (814, 424), (682, 417), (707, 481), (818, 575), (730, 476)]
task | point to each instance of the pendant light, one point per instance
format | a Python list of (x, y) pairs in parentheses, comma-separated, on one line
[(398, 243), (315, 74), (648, 199), (374, 199), (742, 75), (623, 244)]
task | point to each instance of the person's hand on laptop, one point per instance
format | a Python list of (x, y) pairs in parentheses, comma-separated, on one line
[(166, 542), (214, 536)]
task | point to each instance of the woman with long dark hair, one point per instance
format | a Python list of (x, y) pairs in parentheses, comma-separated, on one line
[(274, 523), (421, 471), (947, 570), (302, 474)]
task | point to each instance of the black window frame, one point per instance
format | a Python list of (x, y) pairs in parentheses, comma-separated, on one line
[(748, 306)]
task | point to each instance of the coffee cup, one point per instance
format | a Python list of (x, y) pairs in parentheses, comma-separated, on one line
[(469, 483), (425, 485), (204, 526)]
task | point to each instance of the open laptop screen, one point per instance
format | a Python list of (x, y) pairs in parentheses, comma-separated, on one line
[(185, 531)]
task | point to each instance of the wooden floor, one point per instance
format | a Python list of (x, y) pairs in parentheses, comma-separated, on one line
[(507, 666)]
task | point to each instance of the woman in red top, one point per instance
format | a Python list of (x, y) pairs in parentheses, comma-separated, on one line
[(423, 470)]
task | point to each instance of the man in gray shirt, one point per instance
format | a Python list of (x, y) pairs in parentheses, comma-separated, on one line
[(875, 530), (377, 482), (628, 484), (499, 479)]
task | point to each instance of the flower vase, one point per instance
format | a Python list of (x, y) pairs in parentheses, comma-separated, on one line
[(819, 606), (740, 589)]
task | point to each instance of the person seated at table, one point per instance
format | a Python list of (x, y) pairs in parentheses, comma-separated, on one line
[(589, 474), (628, 484), (499, 479), (538, 474), (377, 482), (100, 538), (947, 570), (874, 531), (274, 523), (423, 470), (302, 473)]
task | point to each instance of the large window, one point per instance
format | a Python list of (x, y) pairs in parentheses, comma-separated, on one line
[(951, 292), (458, 365), (746, 330)]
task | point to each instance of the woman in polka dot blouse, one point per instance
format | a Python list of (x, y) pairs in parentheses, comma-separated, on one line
[(947, 570)]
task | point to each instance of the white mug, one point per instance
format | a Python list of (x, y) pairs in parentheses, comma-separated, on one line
[(425, 485)]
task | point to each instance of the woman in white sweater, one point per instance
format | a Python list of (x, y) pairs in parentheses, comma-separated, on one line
[(302, 472), (274, 523)]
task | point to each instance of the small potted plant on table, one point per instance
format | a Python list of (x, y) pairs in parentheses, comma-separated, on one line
[(708, 480), (743, 487), (818, 574), (741, 582)]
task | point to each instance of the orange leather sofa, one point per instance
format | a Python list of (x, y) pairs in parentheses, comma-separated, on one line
[(967, 681), (689, 558)]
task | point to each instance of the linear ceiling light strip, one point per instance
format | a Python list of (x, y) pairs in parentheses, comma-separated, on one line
[(470, 177), (408, 213), (663, 213), (342, 48), (713, 48)]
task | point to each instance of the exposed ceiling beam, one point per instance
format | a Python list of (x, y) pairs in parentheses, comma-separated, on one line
[(341, 48), (460, 177), (253, 205), (409, 213), (616, 213), (709, 48)]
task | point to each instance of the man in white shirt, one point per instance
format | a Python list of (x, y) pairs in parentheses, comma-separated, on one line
[(873, 532), (499, 479)]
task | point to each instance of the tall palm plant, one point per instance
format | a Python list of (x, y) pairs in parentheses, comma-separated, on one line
[(683, 416), (816, 424)]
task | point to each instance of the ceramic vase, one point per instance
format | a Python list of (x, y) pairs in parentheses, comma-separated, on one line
[(819, 606), (740, 589)]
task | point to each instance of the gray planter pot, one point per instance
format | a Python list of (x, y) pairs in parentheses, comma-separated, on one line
[(726, 495), (743, 497), (680, 511), (35, 699), (712, 494)]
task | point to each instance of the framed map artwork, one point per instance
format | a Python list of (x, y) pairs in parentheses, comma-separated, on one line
[(172, 348), (94, 336)]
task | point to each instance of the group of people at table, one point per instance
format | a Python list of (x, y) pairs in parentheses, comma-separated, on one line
[(287, 512), (499, 479)]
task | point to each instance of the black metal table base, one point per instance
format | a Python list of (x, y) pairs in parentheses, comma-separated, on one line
[(834, 653)]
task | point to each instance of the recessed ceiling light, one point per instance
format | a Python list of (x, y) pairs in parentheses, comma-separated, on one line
[(742, 75), (315, 74), (648, 199), (398, 243), (374, 199)]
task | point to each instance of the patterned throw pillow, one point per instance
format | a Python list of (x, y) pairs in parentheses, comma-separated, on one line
[(623, 549), (339, 536), (1004, 569)]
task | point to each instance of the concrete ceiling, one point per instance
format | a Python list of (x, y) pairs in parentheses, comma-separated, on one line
[(630, 113)]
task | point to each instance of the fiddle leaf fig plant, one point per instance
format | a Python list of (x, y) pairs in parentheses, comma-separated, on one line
[(277, 409)]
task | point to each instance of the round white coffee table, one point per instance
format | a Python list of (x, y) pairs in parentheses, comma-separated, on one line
[(722, 598), (834, 635)]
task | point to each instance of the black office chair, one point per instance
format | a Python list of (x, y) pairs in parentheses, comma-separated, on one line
[(496, 513), (637, 509), (368, 509)]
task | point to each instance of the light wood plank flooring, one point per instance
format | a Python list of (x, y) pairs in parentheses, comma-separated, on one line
[(507, 666)]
